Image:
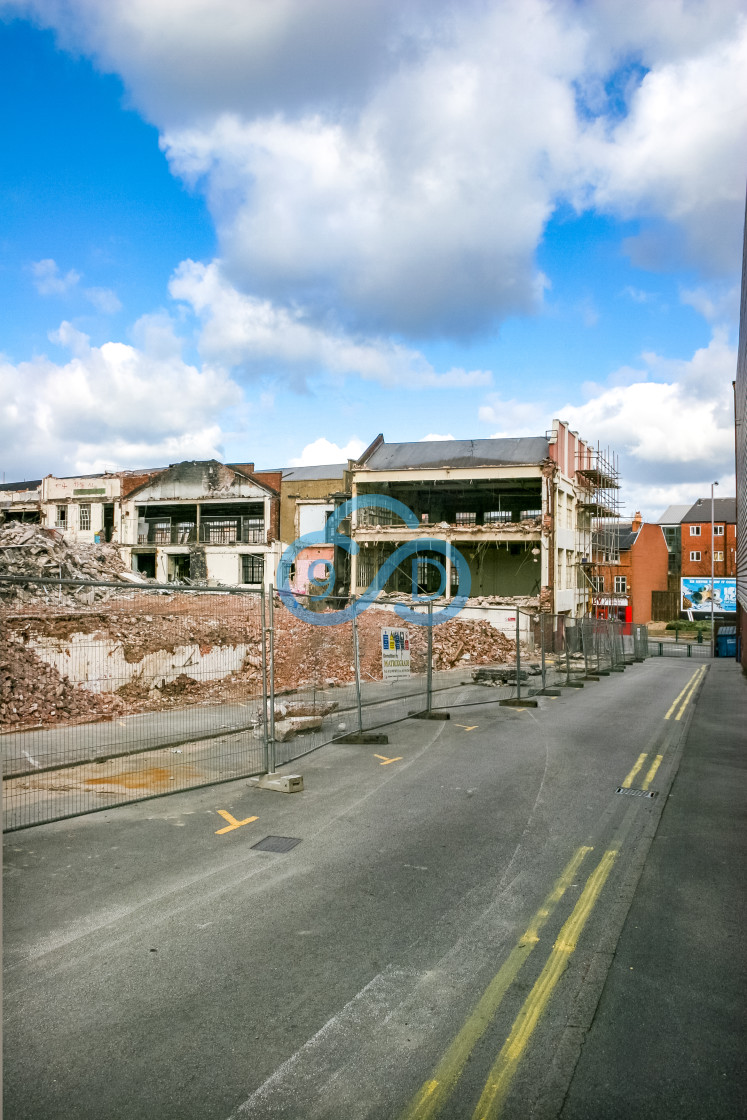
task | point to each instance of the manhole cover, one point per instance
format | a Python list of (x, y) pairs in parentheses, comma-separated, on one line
[(636, 792), (277, 843)]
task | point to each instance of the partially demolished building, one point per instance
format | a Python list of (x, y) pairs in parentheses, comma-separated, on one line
[(534, 517), (524, 512)]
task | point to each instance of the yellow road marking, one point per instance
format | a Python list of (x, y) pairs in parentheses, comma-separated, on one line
[(688, 698), (684, 690), (385, 761), (464, 725), (641, 759), (232, 822), (652, 772), (501, 1075), (435, 1091)]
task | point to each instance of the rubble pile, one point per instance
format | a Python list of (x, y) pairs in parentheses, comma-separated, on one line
[(529, 602), (141, 624), (470, 640), (32, 692), (29, 550)]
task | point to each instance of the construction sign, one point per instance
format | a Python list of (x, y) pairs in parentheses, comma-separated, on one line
[(395, 653)]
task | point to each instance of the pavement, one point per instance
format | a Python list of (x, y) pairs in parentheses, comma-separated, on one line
[(157, 964), (669, 1037)]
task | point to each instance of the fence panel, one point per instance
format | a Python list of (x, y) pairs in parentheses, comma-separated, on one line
[(111, 694)]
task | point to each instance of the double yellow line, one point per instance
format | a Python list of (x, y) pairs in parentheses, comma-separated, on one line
[(433, 1094), (683, 699), (689, 688)]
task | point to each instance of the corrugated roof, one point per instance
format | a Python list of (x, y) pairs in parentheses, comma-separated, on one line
[(724, 509), (458, 453), (673, 515), (311, 474)]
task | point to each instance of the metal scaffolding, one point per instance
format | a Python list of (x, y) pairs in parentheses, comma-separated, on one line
[(598, 476)]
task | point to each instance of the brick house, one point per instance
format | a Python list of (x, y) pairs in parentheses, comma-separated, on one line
[(624, 590), (696, 540)]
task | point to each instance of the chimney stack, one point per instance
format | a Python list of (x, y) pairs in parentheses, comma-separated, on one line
[(637, 521)]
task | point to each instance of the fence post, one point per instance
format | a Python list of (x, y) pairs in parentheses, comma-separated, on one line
[(357, 662), (518, 656), (271, 743), (584, 644), (265, 712), (542, 647), (567, 652), (429, 666)]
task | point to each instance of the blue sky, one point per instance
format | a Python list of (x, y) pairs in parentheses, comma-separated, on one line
[(268, 231)]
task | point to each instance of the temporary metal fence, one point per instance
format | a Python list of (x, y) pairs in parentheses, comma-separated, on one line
[(111, 693)]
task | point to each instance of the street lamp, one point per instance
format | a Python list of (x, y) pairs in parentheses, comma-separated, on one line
[(713, 540)]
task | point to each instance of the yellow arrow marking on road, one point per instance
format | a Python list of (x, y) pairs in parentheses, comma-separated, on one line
[(232, 822), (466, 728), (385, 761)]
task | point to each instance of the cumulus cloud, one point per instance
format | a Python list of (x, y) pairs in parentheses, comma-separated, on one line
[(324, 451), (48, 279), (433, 436), (243, 332), (113, 405), (399, 162), (673, 425)]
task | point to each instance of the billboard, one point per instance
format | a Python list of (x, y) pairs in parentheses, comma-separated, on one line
[(696, 596)]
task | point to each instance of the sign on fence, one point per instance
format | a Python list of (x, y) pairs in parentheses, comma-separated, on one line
[(395, 653)]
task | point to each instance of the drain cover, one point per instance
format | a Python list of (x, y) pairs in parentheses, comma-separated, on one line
[(277, 843), (634, 792)]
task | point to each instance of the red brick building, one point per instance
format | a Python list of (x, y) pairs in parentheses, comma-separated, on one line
[(624, 589), (695, 530)]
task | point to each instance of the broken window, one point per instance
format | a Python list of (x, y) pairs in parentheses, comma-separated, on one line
[(464, 517), (84, 516), (252, 568), (496, 516), (530, 514), (61, 520)]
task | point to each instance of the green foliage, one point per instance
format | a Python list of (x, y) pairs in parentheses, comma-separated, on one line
[(685, 624)]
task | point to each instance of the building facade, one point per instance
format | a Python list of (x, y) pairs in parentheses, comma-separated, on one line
[(627, 588), (522, 512)]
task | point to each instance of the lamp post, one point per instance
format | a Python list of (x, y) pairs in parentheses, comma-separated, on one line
[(713, 540)]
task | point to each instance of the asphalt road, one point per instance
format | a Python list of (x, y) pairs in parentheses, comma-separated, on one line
[(435, 944)]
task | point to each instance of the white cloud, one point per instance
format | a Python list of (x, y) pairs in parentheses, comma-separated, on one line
[(240, 331), (673, 427), (114, 405), (323, 451), (676, 154), (48, 279), (433, 436), (398, 163), (104, 300)]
